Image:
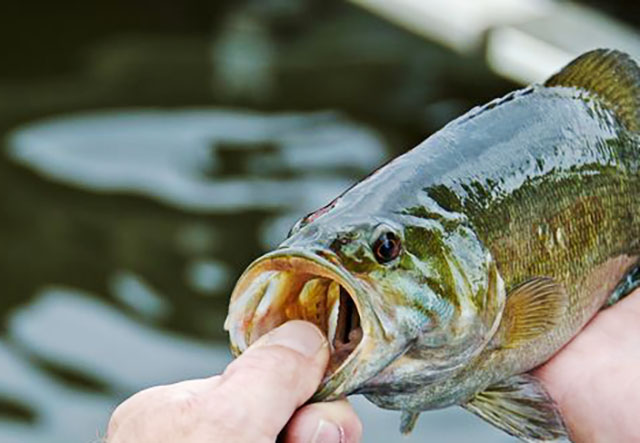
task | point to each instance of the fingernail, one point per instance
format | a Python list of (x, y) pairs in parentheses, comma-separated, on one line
[(298, 335), (327, 432)]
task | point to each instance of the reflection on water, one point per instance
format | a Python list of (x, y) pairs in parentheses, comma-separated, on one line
[(68, 356), (133, 292), (123, 230), (213, 160)]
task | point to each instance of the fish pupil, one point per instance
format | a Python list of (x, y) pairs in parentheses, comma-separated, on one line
[(387, 247)]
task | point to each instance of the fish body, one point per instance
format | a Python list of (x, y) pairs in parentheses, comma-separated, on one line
[(449, 273)]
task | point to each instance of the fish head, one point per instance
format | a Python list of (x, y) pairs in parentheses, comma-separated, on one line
[(388, 291)]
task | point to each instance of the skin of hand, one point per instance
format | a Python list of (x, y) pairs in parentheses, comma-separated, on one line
[(260, 397), (595, 379)]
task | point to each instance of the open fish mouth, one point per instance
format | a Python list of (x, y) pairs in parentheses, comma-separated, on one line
[(290, 284)]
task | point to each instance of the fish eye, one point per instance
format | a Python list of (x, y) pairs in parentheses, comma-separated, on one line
[(387, 247)]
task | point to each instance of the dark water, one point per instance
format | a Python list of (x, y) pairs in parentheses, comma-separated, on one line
[(142, 171)]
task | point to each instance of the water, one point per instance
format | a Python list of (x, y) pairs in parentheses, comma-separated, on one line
[(134, 190)]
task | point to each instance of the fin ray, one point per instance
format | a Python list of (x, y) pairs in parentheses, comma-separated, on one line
[(531, 309), (408, 421), (613, 76), (626, 286), (521, 407)]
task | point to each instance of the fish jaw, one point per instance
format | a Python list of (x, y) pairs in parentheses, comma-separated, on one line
[(292, 283)]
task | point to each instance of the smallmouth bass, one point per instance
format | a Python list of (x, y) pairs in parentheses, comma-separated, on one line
[(448, 274)]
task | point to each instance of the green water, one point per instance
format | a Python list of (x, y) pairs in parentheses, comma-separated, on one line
[(150, 153)]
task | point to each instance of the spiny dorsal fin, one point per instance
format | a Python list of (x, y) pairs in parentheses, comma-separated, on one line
[(532, 309), (521, 407), (613, 76)]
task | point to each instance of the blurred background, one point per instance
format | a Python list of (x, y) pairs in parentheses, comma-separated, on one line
[(151, 149)]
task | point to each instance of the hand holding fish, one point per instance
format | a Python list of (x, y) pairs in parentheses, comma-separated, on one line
[(593, 374), (256, 397), (595, 380)]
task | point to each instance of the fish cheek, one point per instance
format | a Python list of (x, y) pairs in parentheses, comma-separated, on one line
[(430, 341), (422, 242), (432, 262), (422, 315), (423, 275)]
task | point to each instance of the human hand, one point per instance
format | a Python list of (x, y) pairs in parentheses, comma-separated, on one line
[(595, 379), (259, 396)]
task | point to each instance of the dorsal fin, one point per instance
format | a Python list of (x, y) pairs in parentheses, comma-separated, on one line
[(613, 76)]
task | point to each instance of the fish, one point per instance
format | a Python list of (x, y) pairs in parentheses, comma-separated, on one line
[(451, 272)]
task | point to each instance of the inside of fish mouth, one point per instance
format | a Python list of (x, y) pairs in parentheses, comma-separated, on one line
[(316, 299)]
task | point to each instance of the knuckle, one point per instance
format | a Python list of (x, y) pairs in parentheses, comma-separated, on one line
[(183, 402), (114, 423), (165, 404), (128, 408)]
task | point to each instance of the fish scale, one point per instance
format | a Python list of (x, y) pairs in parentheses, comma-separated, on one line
[(504, 233)]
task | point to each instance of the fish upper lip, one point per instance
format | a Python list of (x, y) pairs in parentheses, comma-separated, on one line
[(342, 379)]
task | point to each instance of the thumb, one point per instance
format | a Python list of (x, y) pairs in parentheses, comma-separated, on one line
[(276, 375)]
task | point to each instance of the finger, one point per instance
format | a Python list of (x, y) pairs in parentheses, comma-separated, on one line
[(622, 316), (603, 350), (274, 377), (333, 422)]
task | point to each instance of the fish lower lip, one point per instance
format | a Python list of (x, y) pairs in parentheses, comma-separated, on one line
[(280, 288)]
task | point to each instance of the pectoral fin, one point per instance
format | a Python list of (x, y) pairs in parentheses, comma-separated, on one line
[(532, 309), (521, 407), (408, 421)]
